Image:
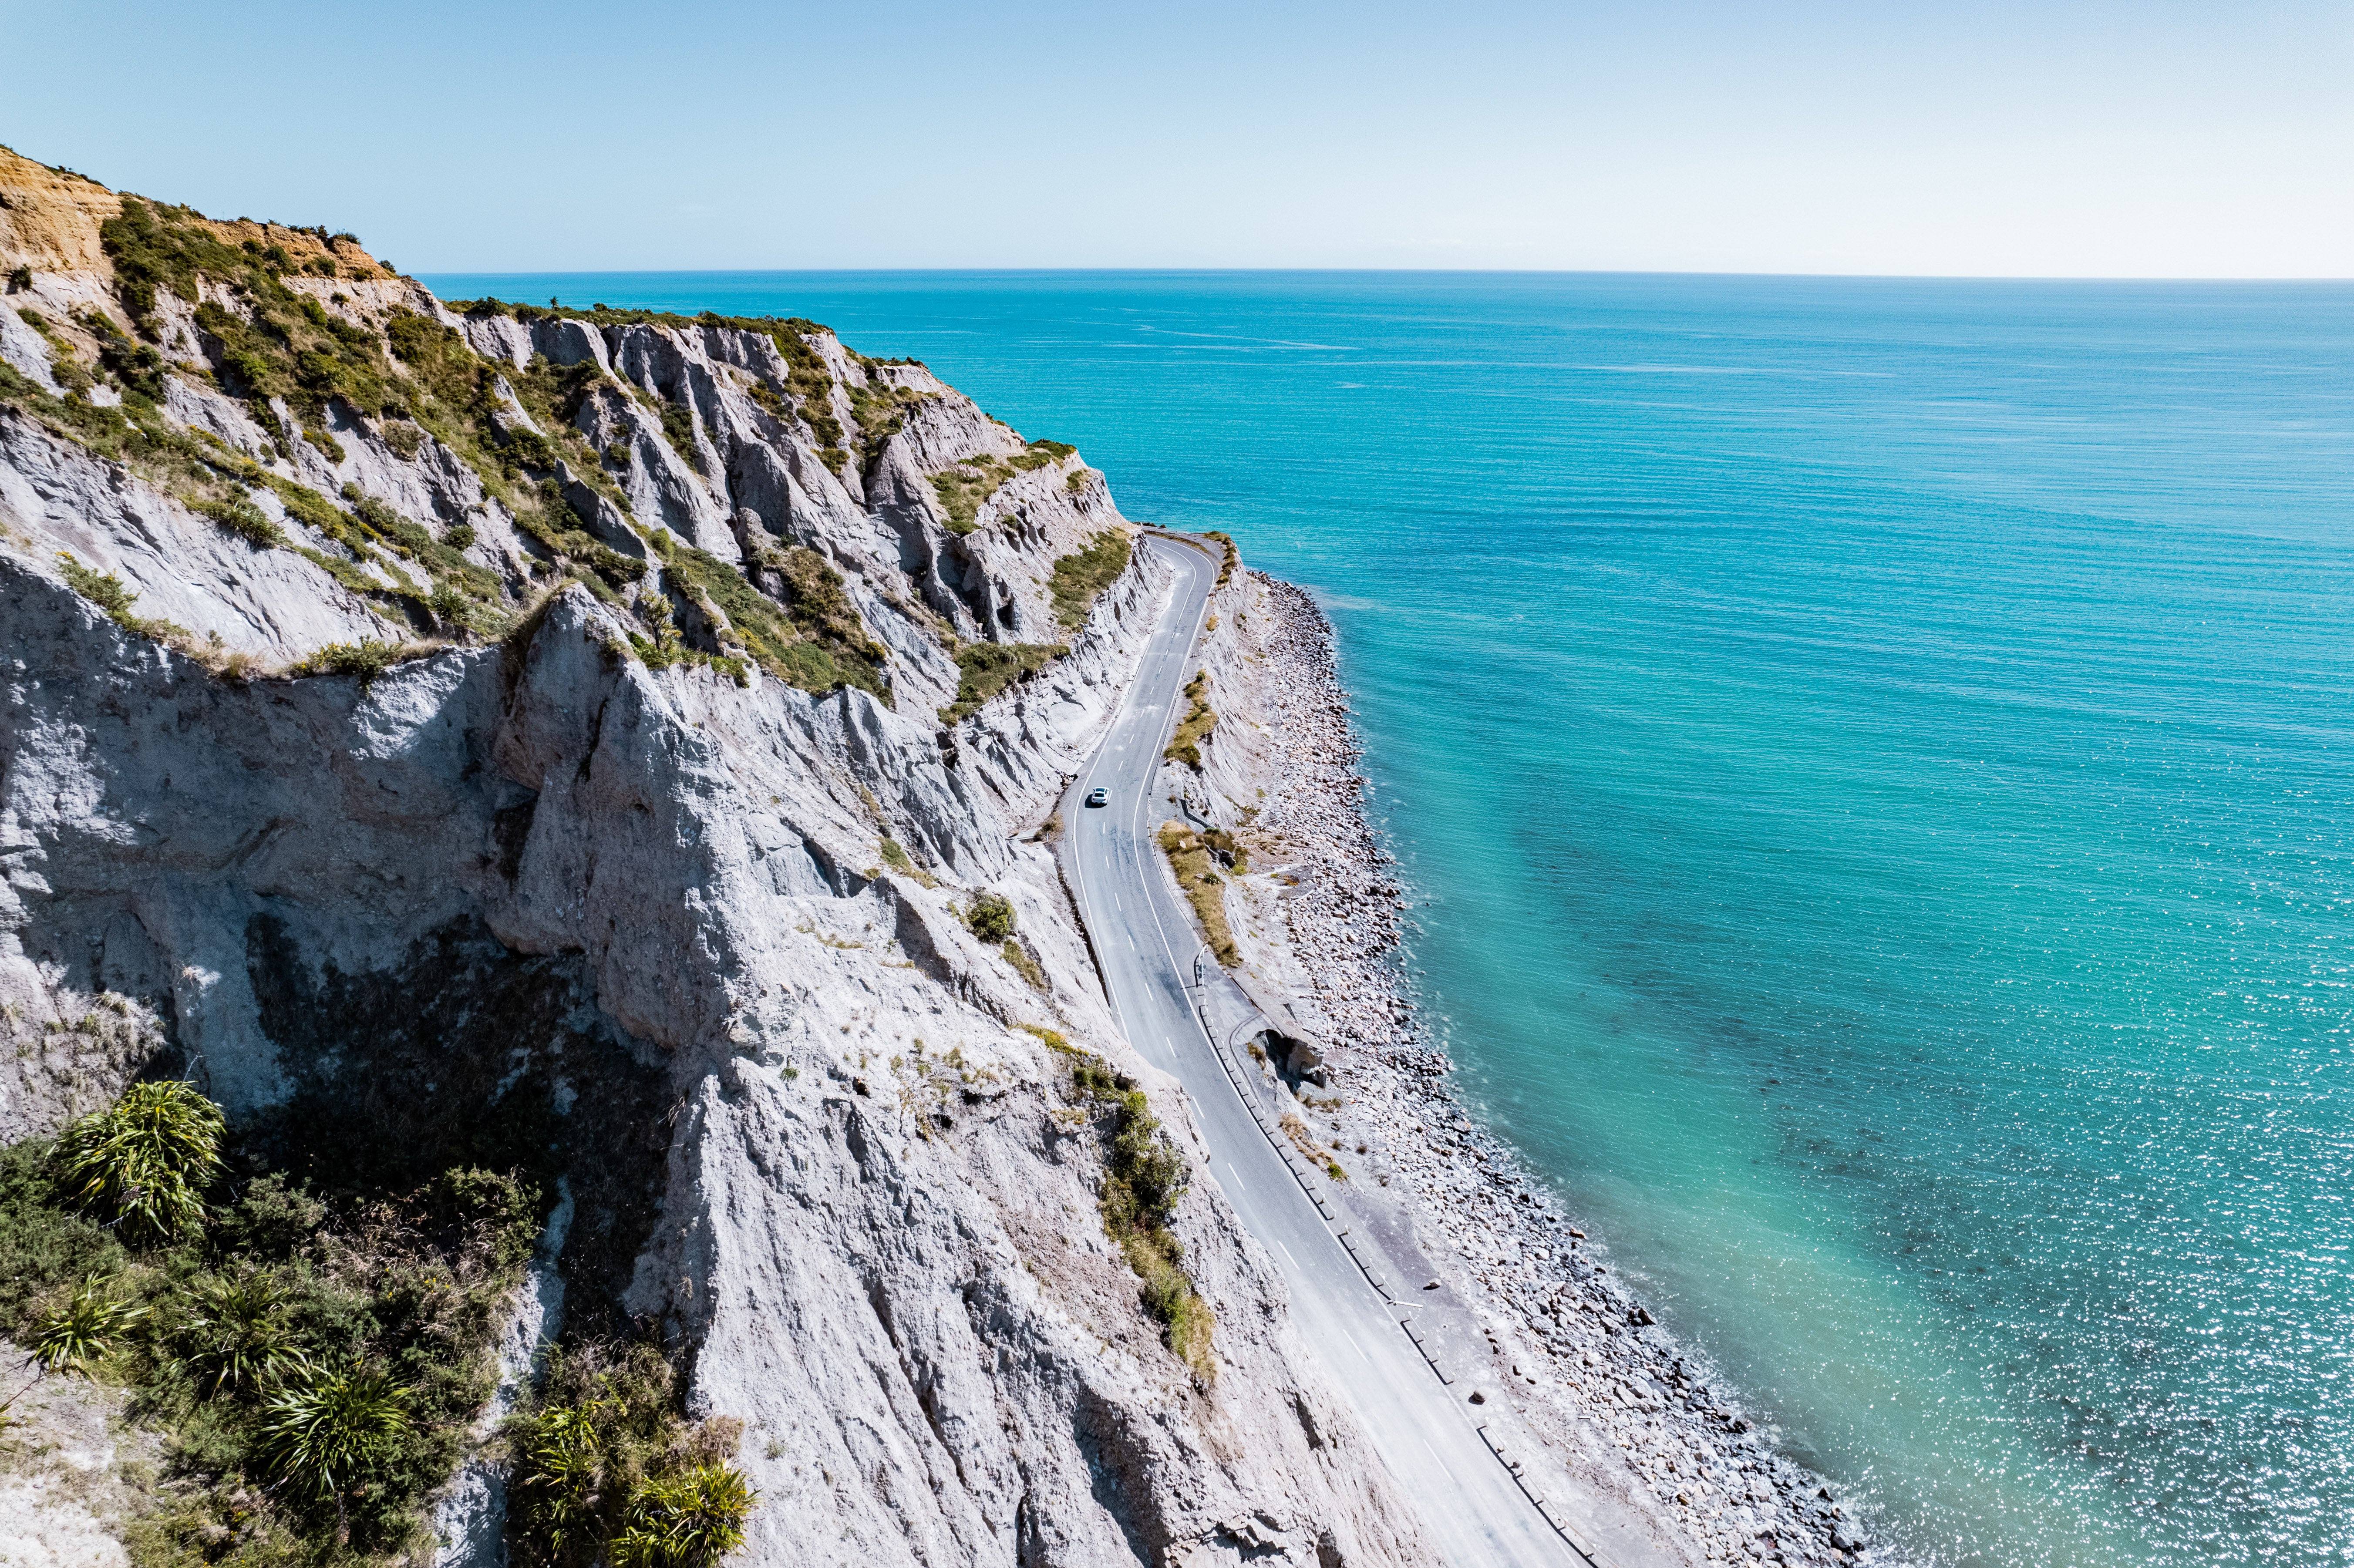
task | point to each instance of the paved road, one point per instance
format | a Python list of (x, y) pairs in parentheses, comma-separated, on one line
[(1145, 939)]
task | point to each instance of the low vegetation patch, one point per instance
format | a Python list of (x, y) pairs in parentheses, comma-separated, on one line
[(312, 1358), (1144, 1177), (1024, 965), (985, 669), (1313, 1152), (246, 520), (880, 411), (1191, 858), (1232, 558), (1081, 577), (990, 916), (607, 1470), (803, 629), (963, 487), (899, 859), (1185, 745), (110, 594), (368, 659)]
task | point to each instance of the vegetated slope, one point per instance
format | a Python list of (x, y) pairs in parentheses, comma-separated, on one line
[(424, 724)]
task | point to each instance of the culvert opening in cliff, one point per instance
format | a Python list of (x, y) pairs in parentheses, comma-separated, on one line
[(1297, 1060)]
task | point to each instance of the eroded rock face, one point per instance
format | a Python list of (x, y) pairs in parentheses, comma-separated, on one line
[(647, 917), (642, 910)]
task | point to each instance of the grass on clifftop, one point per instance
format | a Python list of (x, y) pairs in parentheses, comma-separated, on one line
[(1144, 1177), (809, 387), (419, 377), (1081, 577), (1185, 746), (985, 669), (1204, 889), (963, 487), (300, 367)]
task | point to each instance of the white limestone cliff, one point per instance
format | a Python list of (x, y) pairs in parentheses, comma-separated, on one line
[(707, 918)]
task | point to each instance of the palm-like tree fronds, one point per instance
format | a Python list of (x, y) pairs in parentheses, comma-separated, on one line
[(330, 1429), (80, 1332), (689, 1519), (564, 1469), (148, 1157), (237, 1336)]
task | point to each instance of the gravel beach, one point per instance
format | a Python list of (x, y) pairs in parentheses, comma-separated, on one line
[(1616, 1399)]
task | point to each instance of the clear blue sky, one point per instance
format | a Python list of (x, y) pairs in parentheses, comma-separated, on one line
[(2155, 138)]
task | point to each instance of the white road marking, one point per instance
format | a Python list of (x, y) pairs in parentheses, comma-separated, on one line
[(1236, 1175)]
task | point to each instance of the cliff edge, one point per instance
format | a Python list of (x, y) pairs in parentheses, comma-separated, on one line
[(568, 785)]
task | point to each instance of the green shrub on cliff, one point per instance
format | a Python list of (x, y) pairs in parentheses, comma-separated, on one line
[(83, 1328), (146, 1161), (1080, 578), (1144, 1179), (103, 589), (328, 1433), (236, 1336), (246, 520), (686, 1520), (314, 1360), (368, 659), (991, 916), (608, 1467)]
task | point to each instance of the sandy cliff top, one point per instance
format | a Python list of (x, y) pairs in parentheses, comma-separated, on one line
[(50, 224), (51, 221)]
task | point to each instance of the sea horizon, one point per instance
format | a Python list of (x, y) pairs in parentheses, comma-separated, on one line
[(433, 278)]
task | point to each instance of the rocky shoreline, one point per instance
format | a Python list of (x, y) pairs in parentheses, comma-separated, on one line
[(1622, 1404)]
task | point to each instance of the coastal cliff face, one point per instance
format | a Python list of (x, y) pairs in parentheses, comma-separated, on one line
[(422, 722)]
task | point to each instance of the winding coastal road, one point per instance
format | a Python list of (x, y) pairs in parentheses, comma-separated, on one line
[(1144, 939)]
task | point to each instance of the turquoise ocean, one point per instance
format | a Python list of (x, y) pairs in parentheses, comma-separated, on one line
[(1872, 762)]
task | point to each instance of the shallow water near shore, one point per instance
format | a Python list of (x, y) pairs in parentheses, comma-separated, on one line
[(1873, 756)]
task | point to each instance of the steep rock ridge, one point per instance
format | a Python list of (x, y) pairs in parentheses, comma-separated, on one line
[(500, 718)]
